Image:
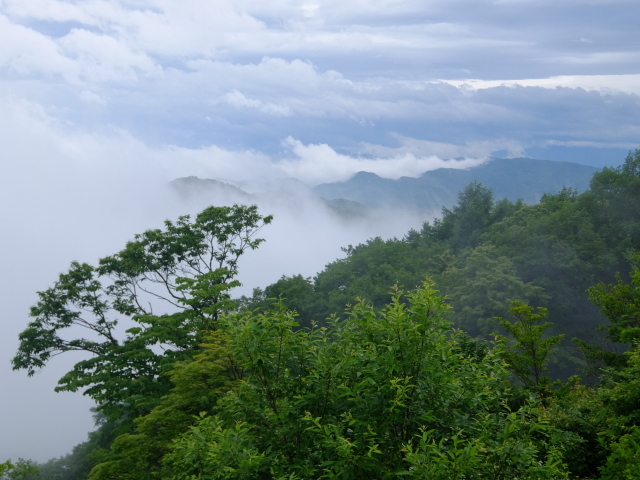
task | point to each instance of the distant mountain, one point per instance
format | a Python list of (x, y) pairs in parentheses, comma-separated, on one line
[(512, 178), (190, 187), (290, 192)]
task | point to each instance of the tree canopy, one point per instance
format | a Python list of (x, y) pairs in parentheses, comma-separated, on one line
[(377, 395), (166, 287)]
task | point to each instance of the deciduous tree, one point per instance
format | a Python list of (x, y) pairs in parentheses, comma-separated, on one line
[(168, 286)]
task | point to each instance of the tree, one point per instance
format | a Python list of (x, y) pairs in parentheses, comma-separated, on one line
[(620, 304), (21, 470), (466, 222), (197, 386), (481, 284), (366, 272), (527, 357), (5, 467), (615, 200), (378, 395), (168, 285), (297, 294)]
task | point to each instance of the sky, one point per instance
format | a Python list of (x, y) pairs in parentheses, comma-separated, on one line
[(105, 101)]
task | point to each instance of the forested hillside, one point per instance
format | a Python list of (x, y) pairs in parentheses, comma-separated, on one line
[(485, 252), (497, 342)]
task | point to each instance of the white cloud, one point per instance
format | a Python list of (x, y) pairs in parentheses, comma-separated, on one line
[(582, 143), (473, 150), (102, 58), (320, 163), (223, 29), (237, 99), (105, 156), (90, 97), (628, 83), (58, 10), (25, 51)]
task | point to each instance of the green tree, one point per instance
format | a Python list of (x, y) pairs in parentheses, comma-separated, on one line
[(170, 285), (366, 273), (620, 304), (557, 245), (615, 203), (481, 284), (466, 222), (378, 395), (528, 355), (197, 385), (297, 293), (620, 394), (605, 421), (5, 467), (20, 470)]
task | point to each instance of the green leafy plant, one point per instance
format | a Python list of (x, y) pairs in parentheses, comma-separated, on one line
[(528, 354), (378, 395)]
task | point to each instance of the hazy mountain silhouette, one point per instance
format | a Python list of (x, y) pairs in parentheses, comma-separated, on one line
[(512, 178)]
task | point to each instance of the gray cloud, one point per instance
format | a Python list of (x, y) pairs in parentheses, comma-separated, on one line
[(250, 74)]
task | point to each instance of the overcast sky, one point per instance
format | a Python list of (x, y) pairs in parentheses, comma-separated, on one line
[(104, 101)]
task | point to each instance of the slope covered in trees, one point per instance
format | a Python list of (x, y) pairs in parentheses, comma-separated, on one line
[(402, 382), (484, 253)]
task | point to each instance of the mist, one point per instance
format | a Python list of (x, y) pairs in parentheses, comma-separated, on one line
[(68, 196)]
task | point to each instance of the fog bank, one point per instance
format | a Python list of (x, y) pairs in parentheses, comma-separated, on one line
[(68, 196)]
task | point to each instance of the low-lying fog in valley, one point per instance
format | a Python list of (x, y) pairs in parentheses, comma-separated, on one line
[(77, 197)]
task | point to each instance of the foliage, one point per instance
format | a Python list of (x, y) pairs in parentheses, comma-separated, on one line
[(575, 410), (606, 419), (375, 396), (20, 470), (604, 423), (197, 386), (365, 273), (467, 220), (527, 358), (615, 201), (620, 303), (5, 467), (481, 284), (296, 293), (624, 461), (171, 283)]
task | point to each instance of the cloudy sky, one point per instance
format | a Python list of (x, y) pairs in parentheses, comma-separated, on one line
[(103, 101)]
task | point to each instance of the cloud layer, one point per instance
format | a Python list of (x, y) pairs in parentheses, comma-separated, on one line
[(516, 75)]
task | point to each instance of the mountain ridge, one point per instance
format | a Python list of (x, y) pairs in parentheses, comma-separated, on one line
[(518, 178)]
